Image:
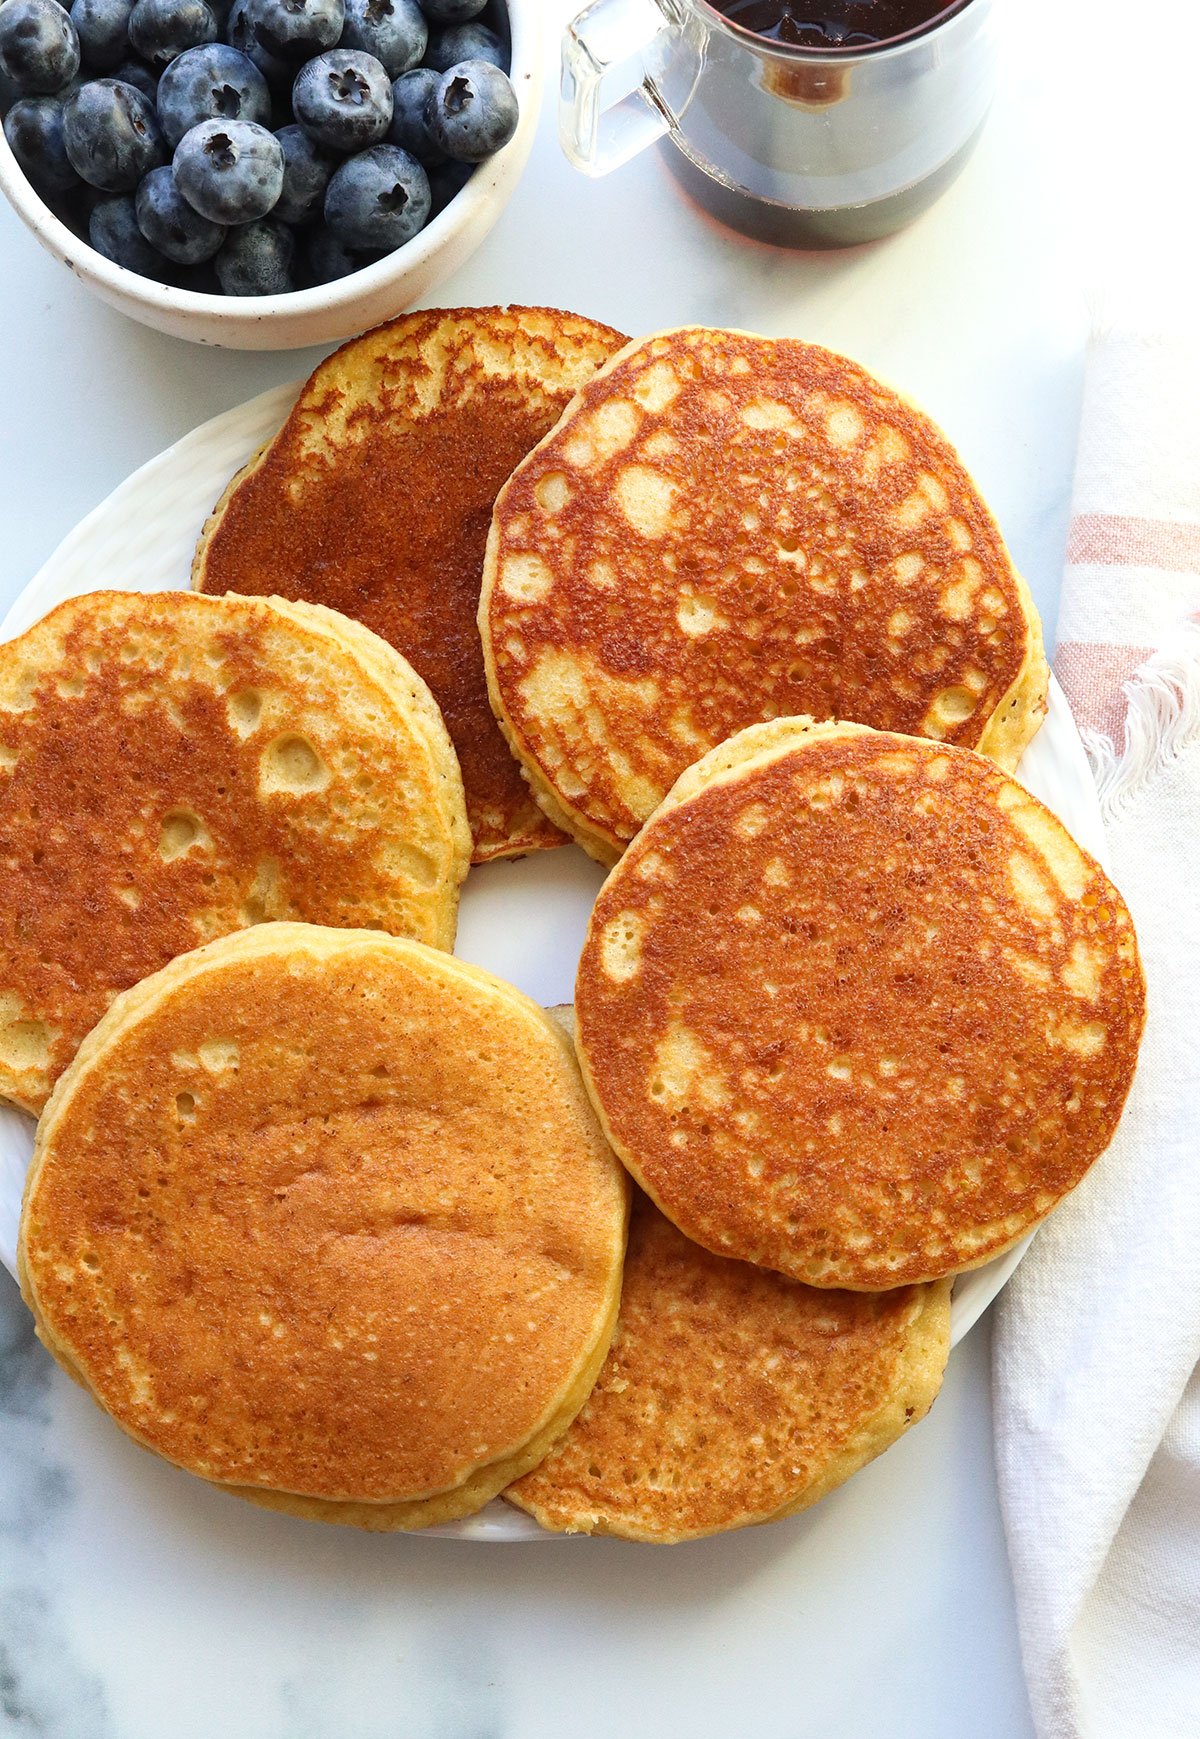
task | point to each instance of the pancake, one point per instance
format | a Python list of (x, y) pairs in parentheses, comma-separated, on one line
[(856, 1007), (325, 1217), (724, 529), (376, 495), (175, 767), (733, 1396)]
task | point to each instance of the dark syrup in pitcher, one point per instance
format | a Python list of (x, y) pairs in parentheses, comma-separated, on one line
[(839, 27), (837, 24)]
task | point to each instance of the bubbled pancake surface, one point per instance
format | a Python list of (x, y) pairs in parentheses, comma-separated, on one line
[(328, 1213), (175, 767), (856, 1007), (732, 1395), (723, 529), (376, 495)]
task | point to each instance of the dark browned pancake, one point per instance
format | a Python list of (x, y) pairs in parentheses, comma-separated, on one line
[(724, 529), (855, 1006), (732, 1395), (376, 495)]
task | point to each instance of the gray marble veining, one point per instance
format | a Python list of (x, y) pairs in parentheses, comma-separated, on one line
[(44, 1689)]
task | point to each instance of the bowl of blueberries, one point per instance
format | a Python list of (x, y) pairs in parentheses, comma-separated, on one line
[(264, 174)]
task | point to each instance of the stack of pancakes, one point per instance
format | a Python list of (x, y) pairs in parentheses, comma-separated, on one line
[(339, 1223)]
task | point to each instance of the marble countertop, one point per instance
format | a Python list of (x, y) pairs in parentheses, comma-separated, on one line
[(137, 1604)]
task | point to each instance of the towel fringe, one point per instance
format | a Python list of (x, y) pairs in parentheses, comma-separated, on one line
[(1162, 720), (1131, 316)]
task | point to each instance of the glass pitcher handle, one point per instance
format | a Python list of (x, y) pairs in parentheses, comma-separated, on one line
[(607, 111)]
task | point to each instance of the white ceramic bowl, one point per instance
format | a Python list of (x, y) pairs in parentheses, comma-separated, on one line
[(331, 311)]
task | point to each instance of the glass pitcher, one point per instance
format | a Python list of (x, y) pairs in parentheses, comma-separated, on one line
[(807, 147)]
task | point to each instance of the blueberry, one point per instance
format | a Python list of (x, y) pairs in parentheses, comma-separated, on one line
[(472, 111), (113, 231), (229, 171), (34, 130), (394, 31), (306, 172), (201, 280), (212, 82), (161, 29), (242, 35), (465, 42), (326, 257), (296, 29), (379, 199), (344, 99), (139, 75), (112, 135), (75, 206), (168, 222), (452, 11), (103, 30), (410, 99), (256, 261), (39, 46), (445, 181)]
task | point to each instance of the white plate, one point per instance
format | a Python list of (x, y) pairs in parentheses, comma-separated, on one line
[(523, 921)]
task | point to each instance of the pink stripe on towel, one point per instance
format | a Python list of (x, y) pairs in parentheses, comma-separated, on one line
[(1124, 540), (1093, 675)]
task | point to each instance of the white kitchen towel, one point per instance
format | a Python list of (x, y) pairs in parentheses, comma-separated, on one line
[(1097, 1339)]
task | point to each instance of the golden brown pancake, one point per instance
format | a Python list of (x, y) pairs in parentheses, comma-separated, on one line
[(175, 767), (856, 1007), (325, 1217), (376, 495), (732, 1395), (724, 529)]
